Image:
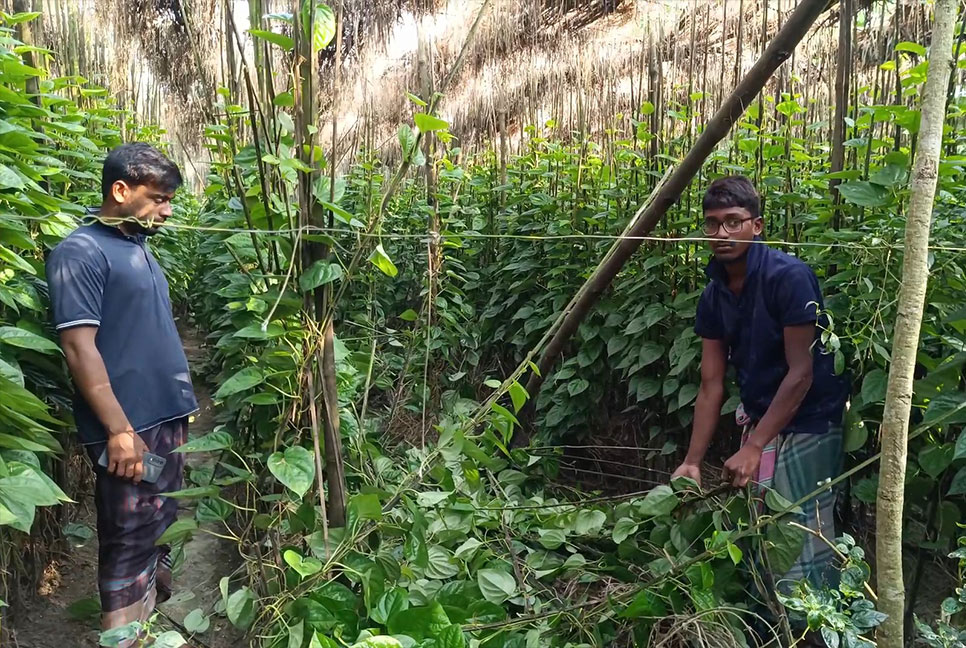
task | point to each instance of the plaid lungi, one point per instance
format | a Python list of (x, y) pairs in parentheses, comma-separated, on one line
[(130, 519), (795, 464)]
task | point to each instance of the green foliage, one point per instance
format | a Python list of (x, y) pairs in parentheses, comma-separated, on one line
[(464, 538)]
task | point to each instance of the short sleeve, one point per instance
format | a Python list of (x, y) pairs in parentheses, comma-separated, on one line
[(707, 321), (797, 296), (76, 275)]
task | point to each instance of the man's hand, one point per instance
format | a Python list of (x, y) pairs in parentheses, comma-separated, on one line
[(688, 470), (125, 452), (742, 466)]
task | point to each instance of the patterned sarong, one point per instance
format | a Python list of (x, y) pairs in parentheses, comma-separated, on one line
[(795, 465), (130, 519)]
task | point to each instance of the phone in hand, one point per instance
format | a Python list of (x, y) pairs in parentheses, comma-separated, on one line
[(152, 464)]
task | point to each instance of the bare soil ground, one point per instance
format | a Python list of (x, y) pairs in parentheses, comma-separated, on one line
[(56, 618)]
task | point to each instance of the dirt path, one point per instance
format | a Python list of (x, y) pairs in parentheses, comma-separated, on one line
[(65, 612)]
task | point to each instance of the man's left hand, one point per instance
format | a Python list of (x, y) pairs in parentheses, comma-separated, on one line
[(742, 466)]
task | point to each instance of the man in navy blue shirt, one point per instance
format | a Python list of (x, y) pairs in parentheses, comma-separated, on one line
[(762, 313), (133, 391)]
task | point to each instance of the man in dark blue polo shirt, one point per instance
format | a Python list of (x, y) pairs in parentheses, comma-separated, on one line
[(762, 313), (133, 392)]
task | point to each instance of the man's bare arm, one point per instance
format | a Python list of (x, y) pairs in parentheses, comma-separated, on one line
[(707, 408), (86, 365)]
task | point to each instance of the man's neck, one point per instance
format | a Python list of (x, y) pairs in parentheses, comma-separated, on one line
[(736, 272), (737, 269), (110, 216)]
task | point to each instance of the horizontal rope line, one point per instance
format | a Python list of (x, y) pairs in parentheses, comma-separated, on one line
[(533, 237)]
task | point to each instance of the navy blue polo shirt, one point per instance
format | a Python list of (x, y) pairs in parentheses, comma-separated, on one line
[(779, 291), (98, 276)]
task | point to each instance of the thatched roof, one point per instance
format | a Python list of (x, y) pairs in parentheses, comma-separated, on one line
[(580, 62)]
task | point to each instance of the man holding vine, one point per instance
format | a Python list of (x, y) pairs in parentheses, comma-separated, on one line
[(133, 391), (761, 313)]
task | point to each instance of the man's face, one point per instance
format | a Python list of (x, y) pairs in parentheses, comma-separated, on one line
[(146, 207), (731, 230)]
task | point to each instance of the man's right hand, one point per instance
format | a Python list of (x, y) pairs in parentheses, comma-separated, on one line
[(125, 453), (690, 470)]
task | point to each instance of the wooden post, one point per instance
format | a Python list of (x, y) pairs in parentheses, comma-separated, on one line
[(912, 295), (666, 194)]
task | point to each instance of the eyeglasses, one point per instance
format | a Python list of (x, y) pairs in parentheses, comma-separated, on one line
[(732, 225)]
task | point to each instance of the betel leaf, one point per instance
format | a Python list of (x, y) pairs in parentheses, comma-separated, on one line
[(661, 500), (315, 615), (496, 586), (960, 452), (363, 506), (420, 623), (191, 493), (958, 485), (384, 641), (428, 123), (14, 259), (946, 408), (240, 381), (784, 545), (909, 46), (934, 459), (319, 274), (407, 140), (451, 637), (283, 41), (217, 440), (391, 602), (241, 608), (874, 386), (625, 528), (24, 339), (196, 621), (256, 332), (578, 386), (303, 566), (589, 522), (518, 395), (442, 565), (294, 468), (409, 315), (169, 639), (381, 260), (10, 179), (864, 194), (179, 530), (323, 27)]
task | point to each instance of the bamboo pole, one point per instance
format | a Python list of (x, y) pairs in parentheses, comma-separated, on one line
[(912, 295), (842, 65), (667, 194)]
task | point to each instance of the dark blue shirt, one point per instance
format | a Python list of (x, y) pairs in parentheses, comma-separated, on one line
[(98, 276), (779, 291)]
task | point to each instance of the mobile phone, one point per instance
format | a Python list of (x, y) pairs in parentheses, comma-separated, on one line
[(152, 463)]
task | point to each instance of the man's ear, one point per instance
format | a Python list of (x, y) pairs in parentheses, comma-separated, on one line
[(120, 191), (758, 226)]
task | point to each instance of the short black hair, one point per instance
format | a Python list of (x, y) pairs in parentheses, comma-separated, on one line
[(732, 191), (138, 163)]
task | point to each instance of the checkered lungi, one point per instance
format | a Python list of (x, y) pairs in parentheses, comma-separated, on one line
[(794, 465)]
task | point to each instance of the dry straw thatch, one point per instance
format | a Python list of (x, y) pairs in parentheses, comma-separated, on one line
[(578, 62)]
